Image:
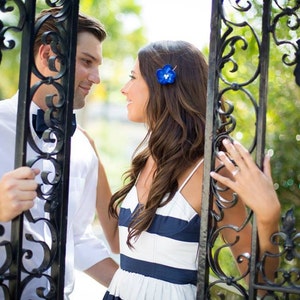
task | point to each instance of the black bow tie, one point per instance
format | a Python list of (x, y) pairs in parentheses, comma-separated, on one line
[(39, 125)]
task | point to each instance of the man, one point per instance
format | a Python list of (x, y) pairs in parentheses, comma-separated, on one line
[(17, 188)]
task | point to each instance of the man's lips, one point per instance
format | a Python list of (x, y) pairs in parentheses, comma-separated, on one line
[(86, 89)]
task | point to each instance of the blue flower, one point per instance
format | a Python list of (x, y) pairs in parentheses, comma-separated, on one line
[(166, 75)]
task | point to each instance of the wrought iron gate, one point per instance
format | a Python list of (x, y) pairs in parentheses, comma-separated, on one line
[(229, 35), (14, 277)]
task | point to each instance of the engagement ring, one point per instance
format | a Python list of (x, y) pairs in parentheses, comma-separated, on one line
[(235, 171)]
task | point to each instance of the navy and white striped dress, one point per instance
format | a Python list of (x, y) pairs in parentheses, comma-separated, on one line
[(163, 262)]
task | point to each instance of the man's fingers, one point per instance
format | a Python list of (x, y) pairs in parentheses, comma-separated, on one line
[(26, 205), (28, 193), (23, 173), (27, 185), (17, 208)]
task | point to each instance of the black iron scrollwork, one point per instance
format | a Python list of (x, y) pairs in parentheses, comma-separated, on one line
[(287, 15), (7, 43), (289, 241)]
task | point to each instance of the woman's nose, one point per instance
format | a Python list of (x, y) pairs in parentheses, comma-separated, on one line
[(124, 89)]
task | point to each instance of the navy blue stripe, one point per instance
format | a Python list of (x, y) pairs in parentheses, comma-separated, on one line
[(158, 271), (108, 296), (167, 226)]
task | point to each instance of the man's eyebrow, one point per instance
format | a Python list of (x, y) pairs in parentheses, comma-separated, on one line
[(89, 55)]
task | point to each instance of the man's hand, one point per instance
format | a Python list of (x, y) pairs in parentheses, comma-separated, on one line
[(17, 192)]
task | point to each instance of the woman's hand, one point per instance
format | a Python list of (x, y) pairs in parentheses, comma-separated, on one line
[(253, 186)]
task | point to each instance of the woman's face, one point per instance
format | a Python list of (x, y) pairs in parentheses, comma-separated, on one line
[(137, 95)]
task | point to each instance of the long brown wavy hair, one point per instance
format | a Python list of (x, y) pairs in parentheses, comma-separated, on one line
[(176, 125)]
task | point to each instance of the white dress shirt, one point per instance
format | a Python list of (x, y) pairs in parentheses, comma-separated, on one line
[(83, 248)]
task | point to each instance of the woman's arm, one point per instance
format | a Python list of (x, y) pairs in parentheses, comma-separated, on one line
[(109, 224)]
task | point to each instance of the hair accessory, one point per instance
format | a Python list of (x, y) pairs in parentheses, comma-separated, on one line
[(166, 75)]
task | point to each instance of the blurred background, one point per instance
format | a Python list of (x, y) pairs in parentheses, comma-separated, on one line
[(133, 23)]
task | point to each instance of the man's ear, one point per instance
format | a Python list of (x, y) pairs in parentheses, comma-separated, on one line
[(46, 60), (44, 54)]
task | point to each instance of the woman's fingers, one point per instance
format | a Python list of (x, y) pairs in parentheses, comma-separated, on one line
[(230, 166), (223, 180), (239, 158), (235, 163), (267, 167)]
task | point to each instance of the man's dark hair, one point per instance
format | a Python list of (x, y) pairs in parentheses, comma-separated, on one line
[(48, 23)]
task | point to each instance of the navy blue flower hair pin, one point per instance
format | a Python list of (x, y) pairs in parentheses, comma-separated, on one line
[(166, 75)]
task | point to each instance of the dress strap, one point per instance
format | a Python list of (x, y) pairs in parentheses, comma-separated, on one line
[(191, 174)]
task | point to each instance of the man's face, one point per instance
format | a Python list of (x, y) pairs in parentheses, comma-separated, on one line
[(88, 59)]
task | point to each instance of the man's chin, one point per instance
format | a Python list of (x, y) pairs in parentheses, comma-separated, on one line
[(78, 103)]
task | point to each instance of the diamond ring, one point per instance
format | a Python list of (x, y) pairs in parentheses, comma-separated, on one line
[(235, 171)]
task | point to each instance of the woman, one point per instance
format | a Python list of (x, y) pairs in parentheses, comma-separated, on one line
[(154, 220)]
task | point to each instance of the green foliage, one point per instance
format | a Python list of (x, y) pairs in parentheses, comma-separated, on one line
[(123, 23), (10, 62)]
